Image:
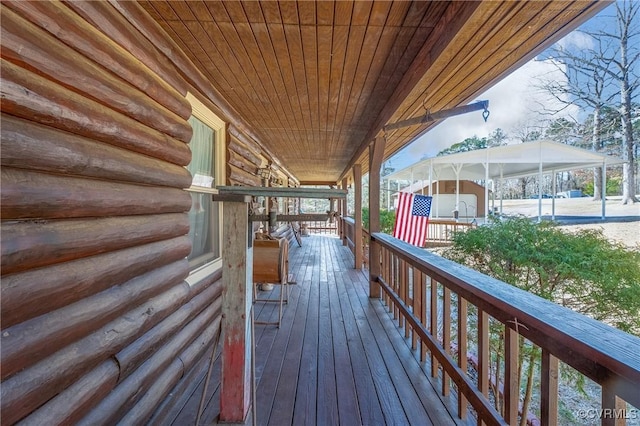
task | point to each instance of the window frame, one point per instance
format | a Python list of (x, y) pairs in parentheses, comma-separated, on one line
[(200, 111)]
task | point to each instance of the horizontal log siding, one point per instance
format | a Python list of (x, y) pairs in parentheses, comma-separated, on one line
[(44, 196), (69, 406), (59, 152), (95, 307), (33, 97), (242, 162), (81, 36), (154, 32), (32, 244), (133, 355), (24, 297), (32, 340), (36, 50), (128, 392), (25, 391), (172, 375)]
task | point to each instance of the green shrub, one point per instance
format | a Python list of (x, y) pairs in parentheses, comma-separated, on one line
[(583, 271), (387, 219)]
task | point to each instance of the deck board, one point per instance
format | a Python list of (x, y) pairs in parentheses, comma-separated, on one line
[(337, 359)]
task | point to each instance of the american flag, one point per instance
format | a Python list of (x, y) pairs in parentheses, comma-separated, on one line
[(412, 216)]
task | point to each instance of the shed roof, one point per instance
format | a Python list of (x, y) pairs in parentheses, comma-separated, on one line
[(508, 161)]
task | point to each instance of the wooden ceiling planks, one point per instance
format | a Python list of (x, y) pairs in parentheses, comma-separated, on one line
[(276, 73), (266, 72), (372, 36), (489, 41), (281, 53), (408, 93), (309, 41), (317, 80), (445, 71)]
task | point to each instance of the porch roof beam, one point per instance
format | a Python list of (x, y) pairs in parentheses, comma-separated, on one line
[(439, 115), (261, 191)]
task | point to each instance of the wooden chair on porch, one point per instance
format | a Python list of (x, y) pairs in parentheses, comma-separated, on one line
[(271, 266)]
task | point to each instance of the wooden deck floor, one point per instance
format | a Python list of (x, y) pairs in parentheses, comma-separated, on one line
[(338, 358)]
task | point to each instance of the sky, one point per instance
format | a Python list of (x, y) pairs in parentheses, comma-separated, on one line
[(514, 102)]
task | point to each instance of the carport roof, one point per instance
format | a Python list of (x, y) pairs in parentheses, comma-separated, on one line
[(508, 161)]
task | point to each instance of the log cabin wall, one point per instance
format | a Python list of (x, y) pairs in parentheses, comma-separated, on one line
[(243, 159), (98, 321)]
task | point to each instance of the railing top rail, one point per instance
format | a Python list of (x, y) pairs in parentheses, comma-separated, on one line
[(602, 353), (450, 222)]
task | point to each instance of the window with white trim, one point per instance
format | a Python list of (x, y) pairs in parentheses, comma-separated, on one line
[(207, 170)]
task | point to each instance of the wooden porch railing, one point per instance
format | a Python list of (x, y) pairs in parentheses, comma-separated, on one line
[(321, 227), (448, 311), (349, 231), (440, 232)]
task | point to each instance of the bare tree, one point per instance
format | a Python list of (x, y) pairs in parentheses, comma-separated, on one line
[(586, 84), (591, 72), (620, 61), (625, 61), (526, 131)]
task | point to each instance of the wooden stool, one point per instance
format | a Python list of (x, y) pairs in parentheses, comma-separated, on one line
[(271, 266)]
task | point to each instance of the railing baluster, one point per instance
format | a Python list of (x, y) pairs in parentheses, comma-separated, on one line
[(462, 351), (391, 280), (549, 389), (511, 388), (402, 281), (446, 335), (385, 271), (413, 286), (483, 355), (417, 307), (407, 297), (396, 284), (434, 323), (394, 280), (423, 313), (613, 408)]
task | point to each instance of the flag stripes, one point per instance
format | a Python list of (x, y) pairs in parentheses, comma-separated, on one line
[(412, 216)]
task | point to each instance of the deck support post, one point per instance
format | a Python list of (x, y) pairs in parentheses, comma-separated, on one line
[(237, 277), (345, 213), (357, 216), (376, 152)]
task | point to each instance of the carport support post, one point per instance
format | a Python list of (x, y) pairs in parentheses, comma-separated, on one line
[(237, 279), (376, 152), (604, 189), (553, 195), (487, 207), (540, 176)]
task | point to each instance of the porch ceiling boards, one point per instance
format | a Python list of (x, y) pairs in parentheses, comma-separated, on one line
[(316, 81)]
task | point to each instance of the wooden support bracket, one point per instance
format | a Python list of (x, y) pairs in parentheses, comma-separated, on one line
[(439, 115)]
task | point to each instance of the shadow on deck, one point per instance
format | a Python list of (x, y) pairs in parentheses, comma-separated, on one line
[(338, 358)]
